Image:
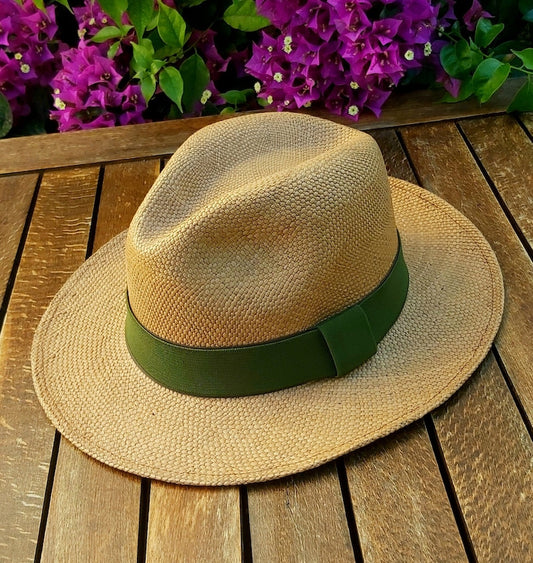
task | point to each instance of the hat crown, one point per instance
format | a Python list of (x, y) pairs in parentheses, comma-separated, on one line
[(260, 227)]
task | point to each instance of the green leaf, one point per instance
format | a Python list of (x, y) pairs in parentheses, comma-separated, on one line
[(142, 56), (242, 15), (526, 56), (526, 8), (171, 26), (40, 5), (227, 110), (147, 85), (195, 76), (488, 77), (156, 66), (458, 59), (486, 32), (236, 97), (465, 91), (115, 9), (66, 4), (106, 33), (171, 83), (140, 13), (112, 51), (6, 117), (523, 101)]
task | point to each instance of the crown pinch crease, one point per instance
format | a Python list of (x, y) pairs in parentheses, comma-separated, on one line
[(334, 347)]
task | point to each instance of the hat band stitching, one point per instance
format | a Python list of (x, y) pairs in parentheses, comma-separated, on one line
[(333, 347)]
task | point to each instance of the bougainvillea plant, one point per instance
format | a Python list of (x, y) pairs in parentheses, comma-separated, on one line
[(82, 64)]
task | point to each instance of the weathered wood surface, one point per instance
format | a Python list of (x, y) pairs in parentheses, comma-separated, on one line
[(506, 153), (482, 420), (461, 490), (16, 193), (193, 524), (86, 494), (55, 246), (24, 154), (300, 518), (452, 173)]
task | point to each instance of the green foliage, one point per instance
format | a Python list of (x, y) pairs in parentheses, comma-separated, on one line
[(483, 66), (171, 26), (6, 117), (115, 8), (171, 83), (195, 76), (242, 15), (141, 13)]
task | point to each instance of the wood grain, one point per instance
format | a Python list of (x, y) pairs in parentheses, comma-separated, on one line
[(527, 120), (26, 437), (95, 509), (400, 504), (300, 518), (157, 139), (510, 170), (399, 476), (193, 524), (452, 173), (15, 197), (489, 456)]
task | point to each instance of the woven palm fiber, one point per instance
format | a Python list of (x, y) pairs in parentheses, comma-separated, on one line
[(259, 227)]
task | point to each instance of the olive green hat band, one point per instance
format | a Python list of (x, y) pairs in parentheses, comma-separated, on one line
[(332, 348)]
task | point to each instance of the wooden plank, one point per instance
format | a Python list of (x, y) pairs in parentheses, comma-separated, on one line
[(510, 170), (193, 524), (95, 509), (26, 437), (399, 476), (527, 120), (486, 446), (299, 518), (449, 170), (488, 452), (16, 193), (157, 139), (400, 504)]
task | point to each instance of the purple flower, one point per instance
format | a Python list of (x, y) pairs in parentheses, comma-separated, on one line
[(26, 60), (475, 12), (348, 54), (87, 92)]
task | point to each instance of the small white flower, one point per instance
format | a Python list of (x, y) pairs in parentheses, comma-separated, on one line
[(307, 105), (278, 77), (287, 49), (353, 110), (409, 55), (270, 48), (287, 40), (25, 68), (104, 20), (354, 85), (81, 33), (257, 87), (92, 21), (286, 102), (206, 94), (18, 56), (59, 104), (427, 49), (56, 91), (270, 99)]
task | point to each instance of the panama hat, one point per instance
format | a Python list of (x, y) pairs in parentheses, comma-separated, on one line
[(276, 302)]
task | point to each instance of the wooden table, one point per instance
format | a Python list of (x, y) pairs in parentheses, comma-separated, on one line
[(455, 486)]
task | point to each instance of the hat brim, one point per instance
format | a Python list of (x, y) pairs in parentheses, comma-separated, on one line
[(99, 399)]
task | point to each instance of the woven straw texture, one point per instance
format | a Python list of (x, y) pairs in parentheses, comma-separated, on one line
[(99, 399), (246, 238)]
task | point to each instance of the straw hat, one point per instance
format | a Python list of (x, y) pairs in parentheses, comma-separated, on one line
[(277, 301)]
